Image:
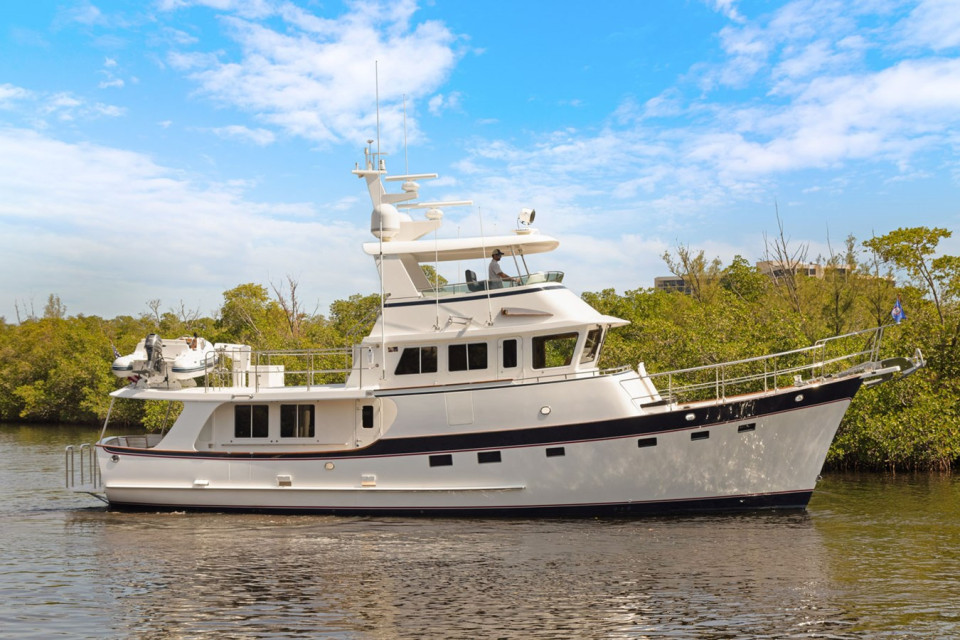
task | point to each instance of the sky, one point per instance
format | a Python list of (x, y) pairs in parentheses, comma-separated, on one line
[(173, 149)]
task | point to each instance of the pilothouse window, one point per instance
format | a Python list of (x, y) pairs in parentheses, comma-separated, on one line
[(553, 351), (461, 357), (591, 346), (417, 360), (296, 420), (251, 421)]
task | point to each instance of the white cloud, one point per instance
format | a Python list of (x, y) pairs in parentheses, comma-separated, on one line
[(115, 229), (727, 8), (827, 104), (440, 103), (84, 13), (115, 83), (315, 77), (934, 24), (9, 94), (63, 106), (260, 137)]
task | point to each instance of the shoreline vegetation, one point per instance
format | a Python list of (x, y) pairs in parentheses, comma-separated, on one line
[(55, 368)]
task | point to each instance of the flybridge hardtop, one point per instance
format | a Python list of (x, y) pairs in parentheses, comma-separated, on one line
[(399, 250), (478, 397)]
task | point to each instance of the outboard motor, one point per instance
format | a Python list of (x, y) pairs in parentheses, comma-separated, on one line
[(154, 347)]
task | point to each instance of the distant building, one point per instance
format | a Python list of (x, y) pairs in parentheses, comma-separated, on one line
[(671, 283), (771, 268), (777, 269)]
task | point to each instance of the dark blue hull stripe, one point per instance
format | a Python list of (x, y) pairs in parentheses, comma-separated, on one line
[(646, 425), (785, 500)]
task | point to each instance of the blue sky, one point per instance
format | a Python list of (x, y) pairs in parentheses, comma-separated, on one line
[(173, 149)]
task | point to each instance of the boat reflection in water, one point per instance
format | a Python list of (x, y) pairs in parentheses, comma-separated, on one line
[(293, 576), (480, 398)]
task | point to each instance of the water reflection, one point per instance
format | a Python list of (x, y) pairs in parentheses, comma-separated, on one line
[(894, 547), (267, 576)]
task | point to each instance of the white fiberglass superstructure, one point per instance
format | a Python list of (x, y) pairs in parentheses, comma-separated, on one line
[(483, 397)]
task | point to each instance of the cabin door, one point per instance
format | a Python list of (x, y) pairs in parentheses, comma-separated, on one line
[(369, 421), (509, 352)]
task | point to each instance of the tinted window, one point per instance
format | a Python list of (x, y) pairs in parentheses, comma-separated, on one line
[(477, 355), (509, 354), (367, 417), (296, 420), (591, 346), (441, 460), (417, 360), (484, 457), (457, 357), (428, 359), (251, 421), (409, 362), (553, 351), (461, 357)]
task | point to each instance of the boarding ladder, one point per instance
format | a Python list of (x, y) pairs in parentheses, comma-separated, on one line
[(88, 470)]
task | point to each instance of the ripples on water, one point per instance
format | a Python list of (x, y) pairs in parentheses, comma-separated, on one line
[(872, 557)]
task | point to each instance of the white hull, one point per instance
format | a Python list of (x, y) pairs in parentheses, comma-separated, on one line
[(774, 463)]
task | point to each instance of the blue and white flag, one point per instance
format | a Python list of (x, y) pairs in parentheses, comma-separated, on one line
[(897, 313)]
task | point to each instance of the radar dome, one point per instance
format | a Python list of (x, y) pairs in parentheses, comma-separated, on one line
[(385, 222)]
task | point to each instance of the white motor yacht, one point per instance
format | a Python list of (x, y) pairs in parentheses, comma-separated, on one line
[(483, 398)]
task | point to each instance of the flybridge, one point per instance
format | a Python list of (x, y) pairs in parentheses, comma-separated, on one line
[(400, 250)]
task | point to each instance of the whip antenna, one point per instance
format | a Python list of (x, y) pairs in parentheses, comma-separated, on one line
[(379, 167)]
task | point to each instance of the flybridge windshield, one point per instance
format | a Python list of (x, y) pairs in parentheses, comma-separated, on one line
[(473, 284)]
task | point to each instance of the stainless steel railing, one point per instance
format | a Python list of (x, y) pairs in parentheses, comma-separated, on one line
[(277, 368), (826, 358)]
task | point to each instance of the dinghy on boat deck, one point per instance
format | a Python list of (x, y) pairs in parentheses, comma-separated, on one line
[(170, 360)]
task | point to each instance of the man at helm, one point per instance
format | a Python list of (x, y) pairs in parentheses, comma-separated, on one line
[(495, 274)]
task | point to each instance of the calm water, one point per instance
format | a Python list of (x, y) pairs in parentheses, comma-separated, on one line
[(873, 557)]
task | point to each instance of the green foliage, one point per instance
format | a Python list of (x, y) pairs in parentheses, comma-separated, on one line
[(158, 415), (744, 280), (354, 317)]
